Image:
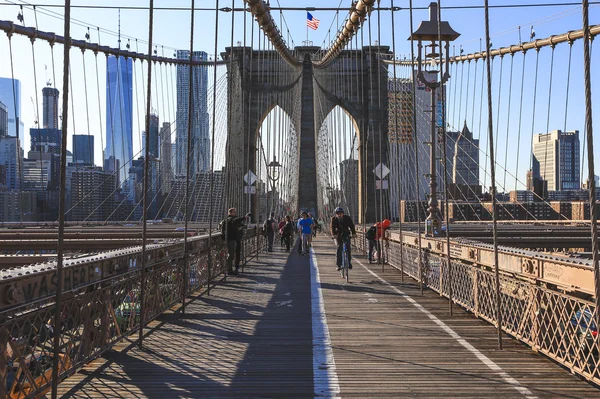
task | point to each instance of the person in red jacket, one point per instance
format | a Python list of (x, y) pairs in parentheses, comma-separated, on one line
[(374, 235)]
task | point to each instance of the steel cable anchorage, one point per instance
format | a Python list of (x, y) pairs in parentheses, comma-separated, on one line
[(358, 13), (260, 10)]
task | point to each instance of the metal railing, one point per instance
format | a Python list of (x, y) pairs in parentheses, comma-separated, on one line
[(99, 313), (557, 324)]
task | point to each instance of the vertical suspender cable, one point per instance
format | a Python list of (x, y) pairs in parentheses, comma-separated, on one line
[(474, 95), (212, 151), (512, 61), (39, 126), (397, 138), (98, 92), (249, 114), (548, 115), (481, 105), (520, 120), (379, 66), (590, 151), (499, 102), (370, 128), (537, 64), (414, 134), (444, 150), (462, 74), (567, 88), (229, 184), (187, 163), (61, 204), (467, 94), (143, 309), (493, 171), (87, 109)]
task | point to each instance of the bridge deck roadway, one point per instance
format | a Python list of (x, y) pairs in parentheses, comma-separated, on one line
[(253, 337)]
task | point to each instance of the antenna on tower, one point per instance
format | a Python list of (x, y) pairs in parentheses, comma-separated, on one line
[(119, 40)]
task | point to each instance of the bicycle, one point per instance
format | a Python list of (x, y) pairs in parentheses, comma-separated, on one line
[(345, 270)]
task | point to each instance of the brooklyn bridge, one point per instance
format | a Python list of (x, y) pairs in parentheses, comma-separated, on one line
[(459, 144)]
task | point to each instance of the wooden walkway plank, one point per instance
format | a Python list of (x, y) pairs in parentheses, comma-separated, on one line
[(385, 346), (253, 337), (250, 338)]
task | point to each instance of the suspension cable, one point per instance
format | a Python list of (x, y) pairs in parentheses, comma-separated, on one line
[(146, 171), (520, 119), (187, 163), (414, 129), (512, 61), (212, 155), (590, 151), (493, 175), (61, 213)]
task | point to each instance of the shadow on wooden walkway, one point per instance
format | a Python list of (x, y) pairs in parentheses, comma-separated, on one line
[(253, 337)]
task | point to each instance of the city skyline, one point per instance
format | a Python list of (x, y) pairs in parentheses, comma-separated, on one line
[(173, 27), (130, 87)]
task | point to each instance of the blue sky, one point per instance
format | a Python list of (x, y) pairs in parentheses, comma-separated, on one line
[(172, 32)]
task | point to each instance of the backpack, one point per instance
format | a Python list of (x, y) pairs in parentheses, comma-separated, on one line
[(371, 233)]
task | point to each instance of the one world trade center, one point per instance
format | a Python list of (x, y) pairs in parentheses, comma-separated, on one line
[(118, 154)]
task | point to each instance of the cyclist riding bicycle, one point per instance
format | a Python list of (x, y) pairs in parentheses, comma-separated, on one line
[(342, 229)]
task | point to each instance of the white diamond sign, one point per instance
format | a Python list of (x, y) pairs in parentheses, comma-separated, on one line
[(381, 171), (250, 178)]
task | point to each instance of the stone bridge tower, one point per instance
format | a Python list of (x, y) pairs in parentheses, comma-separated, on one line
[(260, 80)]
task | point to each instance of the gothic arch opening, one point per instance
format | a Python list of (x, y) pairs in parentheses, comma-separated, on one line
[(338, 167), (276, 163)]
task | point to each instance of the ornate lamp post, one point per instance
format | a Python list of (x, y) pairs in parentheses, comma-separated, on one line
[(273, 169), (435, 32)]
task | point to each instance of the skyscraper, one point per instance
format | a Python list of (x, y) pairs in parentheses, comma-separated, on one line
[(50, 107), (83, 149), (462, 151), (153, 146), (10, 157), (45, 140), (166, 170), (119, 115), (556, 159), (173, 157), (10, 95), (3, 120), (92, 194), (401, 136), (200, 156)]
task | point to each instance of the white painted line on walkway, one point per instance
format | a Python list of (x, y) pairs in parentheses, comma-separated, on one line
[(325, 377), (483, 358)]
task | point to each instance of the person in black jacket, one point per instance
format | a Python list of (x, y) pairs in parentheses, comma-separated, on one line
[(287, 231), (234, 230), (342, 229)]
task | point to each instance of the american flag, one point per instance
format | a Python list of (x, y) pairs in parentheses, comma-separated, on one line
[(311, 21)]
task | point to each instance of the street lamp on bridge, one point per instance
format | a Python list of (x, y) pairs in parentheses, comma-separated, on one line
[(435, 32), (273, 174)]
